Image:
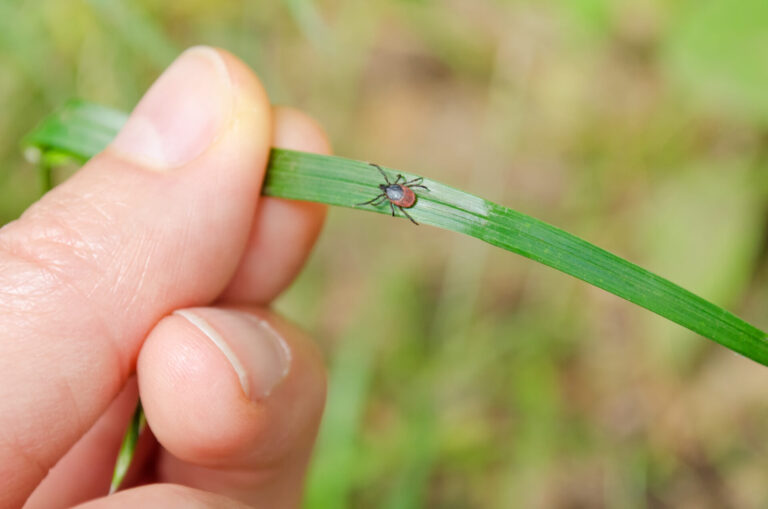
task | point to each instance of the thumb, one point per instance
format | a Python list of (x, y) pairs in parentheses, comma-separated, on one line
[(156, 222)]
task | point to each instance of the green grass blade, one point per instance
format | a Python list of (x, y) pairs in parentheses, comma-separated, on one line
[(79, 129), (127, 448), (412, 481), (82, 130), (137, 29), (332, 474), (309, 21)]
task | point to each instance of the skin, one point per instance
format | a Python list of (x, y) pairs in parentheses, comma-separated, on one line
[(89, 278)]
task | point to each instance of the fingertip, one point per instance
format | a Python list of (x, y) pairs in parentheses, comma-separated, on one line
[(199, 103), (294, 129), (283, 236), (229, 388), (168, 496), (253, 104), (190, 393)]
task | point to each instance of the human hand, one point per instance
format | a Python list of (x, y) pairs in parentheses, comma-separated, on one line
[(160, 255)]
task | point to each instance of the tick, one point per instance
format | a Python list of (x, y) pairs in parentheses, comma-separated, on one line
[(399, 195)]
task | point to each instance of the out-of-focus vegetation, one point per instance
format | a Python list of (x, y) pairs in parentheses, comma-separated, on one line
[(462, 376)]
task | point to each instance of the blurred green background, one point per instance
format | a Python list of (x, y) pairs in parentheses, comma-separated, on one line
[(641, 126)]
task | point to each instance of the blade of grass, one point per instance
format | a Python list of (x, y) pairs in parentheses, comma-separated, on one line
[(25, 45), (128, 448), (137, 29), (82, 130), (309, 21), (412, 481), (332, 475)]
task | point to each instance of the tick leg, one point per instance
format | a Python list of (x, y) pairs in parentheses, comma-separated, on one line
[(418, 185), (392, 206), (397, 180), (380, 200), (408, 215), (370, 202), (386, 179), (415, 181)]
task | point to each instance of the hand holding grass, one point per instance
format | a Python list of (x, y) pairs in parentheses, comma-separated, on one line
[(80, 131), (160, 256)]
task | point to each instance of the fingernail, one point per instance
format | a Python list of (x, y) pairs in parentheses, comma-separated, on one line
[(181, 114), (258, 354)]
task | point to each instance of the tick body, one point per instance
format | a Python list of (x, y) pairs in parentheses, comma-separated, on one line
[(398, 194)]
